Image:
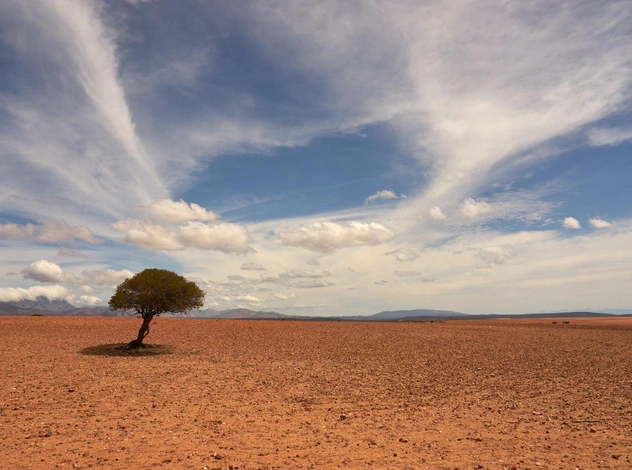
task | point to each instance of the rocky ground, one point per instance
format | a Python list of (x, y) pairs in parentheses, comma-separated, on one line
[(500, 394)]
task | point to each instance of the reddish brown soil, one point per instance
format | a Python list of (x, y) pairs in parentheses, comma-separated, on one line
[(280, 394)]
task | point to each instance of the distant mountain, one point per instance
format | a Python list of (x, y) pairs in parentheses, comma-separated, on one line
[(95, 312), (42, 303), (399, 314), (240, 313), (62, 308), (7, 309)]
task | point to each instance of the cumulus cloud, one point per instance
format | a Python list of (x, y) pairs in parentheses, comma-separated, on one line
[(608, 136), (383, 195), (403, 254), (571, 223), (599, 223), (219, 236), (496, 254), (148, 235), (43, 271), (15, 294), (436, 213), (46, 271), (87, 300), (224, 237), (166, 210), (252, 267), (47, 232), (329, 236), (474, 209)]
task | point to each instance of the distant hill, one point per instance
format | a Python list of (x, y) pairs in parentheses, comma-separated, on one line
[(7, 309), (399, 314), (239, 313), (42, 303), (62, 308)]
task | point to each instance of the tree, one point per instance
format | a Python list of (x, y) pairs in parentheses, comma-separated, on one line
[(153, 292)]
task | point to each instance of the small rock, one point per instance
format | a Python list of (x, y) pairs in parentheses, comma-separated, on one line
[(403, 439), (592, 429), (217, 457), (343, 417)]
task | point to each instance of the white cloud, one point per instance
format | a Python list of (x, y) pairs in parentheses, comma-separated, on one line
[(70, 128), (462, 95), (43, 271), (15, 294), (242, 298), (219, 236), (166, 210), (496, 254), (383, 195), (68, 252), (224, 237), (311, 284), (300, 279), (571, 223), (329, 236), (47, 232), (46, 271), (87, 300), (599, 223), (148, 235), (299, 273), (404, 254), (104, 277), (252, 267), (436, 213), (406, 273), (473, 209), (281, 296), (608, 136)]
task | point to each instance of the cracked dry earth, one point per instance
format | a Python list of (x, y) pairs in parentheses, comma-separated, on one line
[(523, 394)]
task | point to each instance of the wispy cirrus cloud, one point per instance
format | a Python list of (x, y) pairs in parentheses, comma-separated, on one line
[(47, 232), (69, 125)]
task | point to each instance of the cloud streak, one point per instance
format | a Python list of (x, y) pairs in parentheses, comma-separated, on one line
[(329, 236)]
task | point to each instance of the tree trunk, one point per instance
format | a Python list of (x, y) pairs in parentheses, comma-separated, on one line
[(142, 332)]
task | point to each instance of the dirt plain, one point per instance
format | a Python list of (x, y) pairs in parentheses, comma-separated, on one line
[(501, 394)]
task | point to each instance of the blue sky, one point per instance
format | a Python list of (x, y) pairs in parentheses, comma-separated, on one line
[(320, 157)]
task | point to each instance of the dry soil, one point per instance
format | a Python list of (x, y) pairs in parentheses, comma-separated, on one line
[(503, 394)]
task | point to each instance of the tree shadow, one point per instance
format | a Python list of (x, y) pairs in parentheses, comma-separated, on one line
[(123, 349)]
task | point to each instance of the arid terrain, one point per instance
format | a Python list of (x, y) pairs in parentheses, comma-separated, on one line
[(502, 394)]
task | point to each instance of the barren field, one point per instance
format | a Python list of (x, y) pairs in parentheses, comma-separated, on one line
[(499, 394)]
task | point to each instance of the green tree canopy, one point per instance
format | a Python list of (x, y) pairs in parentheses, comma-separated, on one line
[(153, 292)]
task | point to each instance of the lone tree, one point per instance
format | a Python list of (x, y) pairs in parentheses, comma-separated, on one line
[(152, 292)]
